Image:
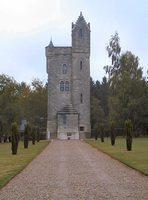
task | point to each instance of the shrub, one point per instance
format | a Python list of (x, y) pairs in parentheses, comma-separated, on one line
[(96, 130), (112, 133), (33, 134), (128, 132), (1, 130), (102, 132), (26, 136), (14, 138), (38, 134), (96, 135)]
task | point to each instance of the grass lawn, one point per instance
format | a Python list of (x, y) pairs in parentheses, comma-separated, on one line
[(137, 158), (10, 165)]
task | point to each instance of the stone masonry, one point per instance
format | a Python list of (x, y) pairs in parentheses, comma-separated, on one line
[(68, 70)]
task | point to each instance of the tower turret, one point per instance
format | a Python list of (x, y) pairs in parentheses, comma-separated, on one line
[(81, 35), (81, 73)]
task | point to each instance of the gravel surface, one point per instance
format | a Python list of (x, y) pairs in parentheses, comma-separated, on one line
[(73, 170)]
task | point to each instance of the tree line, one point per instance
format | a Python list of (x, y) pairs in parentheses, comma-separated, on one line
[(121, 96), (19, 101)]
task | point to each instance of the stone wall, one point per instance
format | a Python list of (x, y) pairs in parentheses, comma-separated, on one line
[(57, 99), (68, 126)]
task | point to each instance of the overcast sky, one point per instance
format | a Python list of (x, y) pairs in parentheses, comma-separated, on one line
[(26, 27)]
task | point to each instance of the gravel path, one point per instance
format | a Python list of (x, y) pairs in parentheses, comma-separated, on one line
[(73, 170)]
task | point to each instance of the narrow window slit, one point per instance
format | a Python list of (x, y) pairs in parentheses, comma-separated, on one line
[(81, 98), (81, 65)]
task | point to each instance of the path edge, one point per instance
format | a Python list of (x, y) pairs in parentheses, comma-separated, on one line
[(125, 164), (21, 170)]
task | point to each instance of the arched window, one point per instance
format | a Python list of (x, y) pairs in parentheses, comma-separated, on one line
[(81, 98), (62, 86), (67, 87), (64, 69), (81, 65), (81, 33)]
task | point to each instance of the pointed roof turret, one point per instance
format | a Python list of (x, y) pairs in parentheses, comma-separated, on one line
[(80, 21), (81, 14), (51, 43)]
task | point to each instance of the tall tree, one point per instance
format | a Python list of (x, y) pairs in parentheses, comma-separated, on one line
[(113, 50), (97, 114), (128, 91), (9, 110), (38, 103)]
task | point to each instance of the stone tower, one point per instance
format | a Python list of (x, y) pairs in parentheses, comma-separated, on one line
[(68, 71)]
